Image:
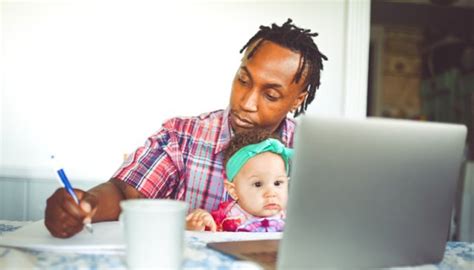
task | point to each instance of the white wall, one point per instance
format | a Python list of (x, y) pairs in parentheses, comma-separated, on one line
[(89, 81)]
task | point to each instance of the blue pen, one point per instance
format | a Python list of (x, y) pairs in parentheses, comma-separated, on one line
[(67, 185)]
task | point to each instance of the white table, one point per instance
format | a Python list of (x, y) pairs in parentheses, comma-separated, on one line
[(459, 255)]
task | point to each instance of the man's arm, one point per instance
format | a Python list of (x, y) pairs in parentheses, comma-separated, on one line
[(109, 195), (64, 218)]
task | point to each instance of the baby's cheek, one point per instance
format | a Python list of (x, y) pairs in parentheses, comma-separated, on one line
[(284, 201)]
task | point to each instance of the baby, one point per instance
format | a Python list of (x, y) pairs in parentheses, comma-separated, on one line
[(257, 165)]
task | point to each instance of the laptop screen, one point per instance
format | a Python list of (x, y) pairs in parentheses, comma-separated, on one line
[(378, 191)]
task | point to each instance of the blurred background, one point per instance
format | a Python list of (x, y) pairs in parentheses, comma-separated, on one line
[(422, 61), (421, 67)]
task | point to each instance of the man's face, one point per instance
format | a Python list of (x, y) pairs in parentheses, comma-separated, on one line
[(261, 185), (263, 91)]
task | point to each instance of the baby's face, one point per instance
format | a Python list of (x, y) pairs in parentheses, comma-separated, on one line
[(262, 185)]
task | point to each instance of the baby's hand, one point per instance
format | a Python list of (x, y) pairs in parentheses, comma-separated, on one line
[(199, 219)]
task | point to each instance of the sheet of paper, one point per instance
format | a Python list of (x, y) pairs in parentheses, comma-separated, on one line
[(107, 238)]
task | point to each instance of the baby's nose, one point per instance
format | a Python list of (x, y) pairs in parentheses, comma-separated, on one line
[(270, 193)]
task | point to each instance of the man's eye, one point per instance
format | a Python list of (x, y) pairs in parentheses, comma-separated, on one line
[(270, 97), (243, 80), (257, 184)]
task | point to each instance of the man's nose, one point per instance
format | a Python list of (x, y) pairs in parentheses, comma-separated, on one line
[(250, 100)]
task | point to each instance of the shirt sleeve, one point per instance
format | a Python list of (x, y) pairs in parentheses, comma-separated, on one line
[(155, 168)]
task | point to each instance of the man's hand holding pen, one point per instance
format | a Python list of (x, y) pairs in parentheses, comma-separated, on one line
[(64, 217)]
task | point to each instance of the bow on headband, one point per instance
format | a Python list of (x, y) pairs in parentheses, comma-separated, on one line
[(237, 161)]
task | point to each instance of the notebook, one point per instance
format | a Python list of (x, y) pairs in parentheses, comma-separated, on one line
[(364, 194)]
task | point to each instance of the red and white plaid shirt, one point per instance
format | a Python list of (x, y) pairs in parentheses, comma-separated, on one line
[(184, 160)]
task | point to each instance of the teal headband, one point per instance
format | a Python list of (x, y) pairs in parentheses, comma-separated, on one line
[(237, 161)]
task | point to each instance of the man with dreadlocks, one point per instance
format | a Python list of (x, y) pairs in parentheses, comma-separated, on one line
[(279, 73)]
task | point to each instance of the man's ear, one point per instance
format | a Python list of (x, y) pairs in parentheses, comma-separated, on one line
[(230, 187), (299, 100)]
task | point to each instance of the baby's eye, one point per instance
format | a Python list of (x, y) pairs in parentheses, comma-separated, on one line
[(278, 182), (257, 184)]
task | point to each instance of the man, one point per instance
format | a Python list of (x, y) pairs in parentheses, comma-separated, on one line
[(279, 73)]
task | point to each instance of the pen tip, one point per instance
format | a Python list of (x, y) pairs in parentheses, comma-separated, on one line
[(89, 228)]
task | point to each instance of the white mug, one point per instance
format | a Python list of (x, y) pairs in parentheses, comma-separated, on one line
[(154, 233)]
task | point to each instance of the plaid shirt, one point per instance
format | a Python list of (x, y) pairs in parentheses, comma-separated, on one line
[(184, 160)]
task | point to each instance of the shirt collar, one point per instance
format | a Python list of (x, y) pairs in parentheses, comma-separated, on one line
[(284, 130), (225, 133)]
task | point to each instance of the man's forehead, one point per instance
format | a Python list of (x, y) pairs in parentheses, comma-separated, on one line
[(264, 46)]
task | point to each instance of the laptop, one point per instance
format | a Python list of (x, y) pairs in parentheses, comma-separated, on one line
[(364, 194)]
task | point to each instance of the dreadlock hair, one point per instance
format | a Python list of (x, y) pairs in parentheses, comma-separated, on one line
[(242, 139), (299, 40)]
